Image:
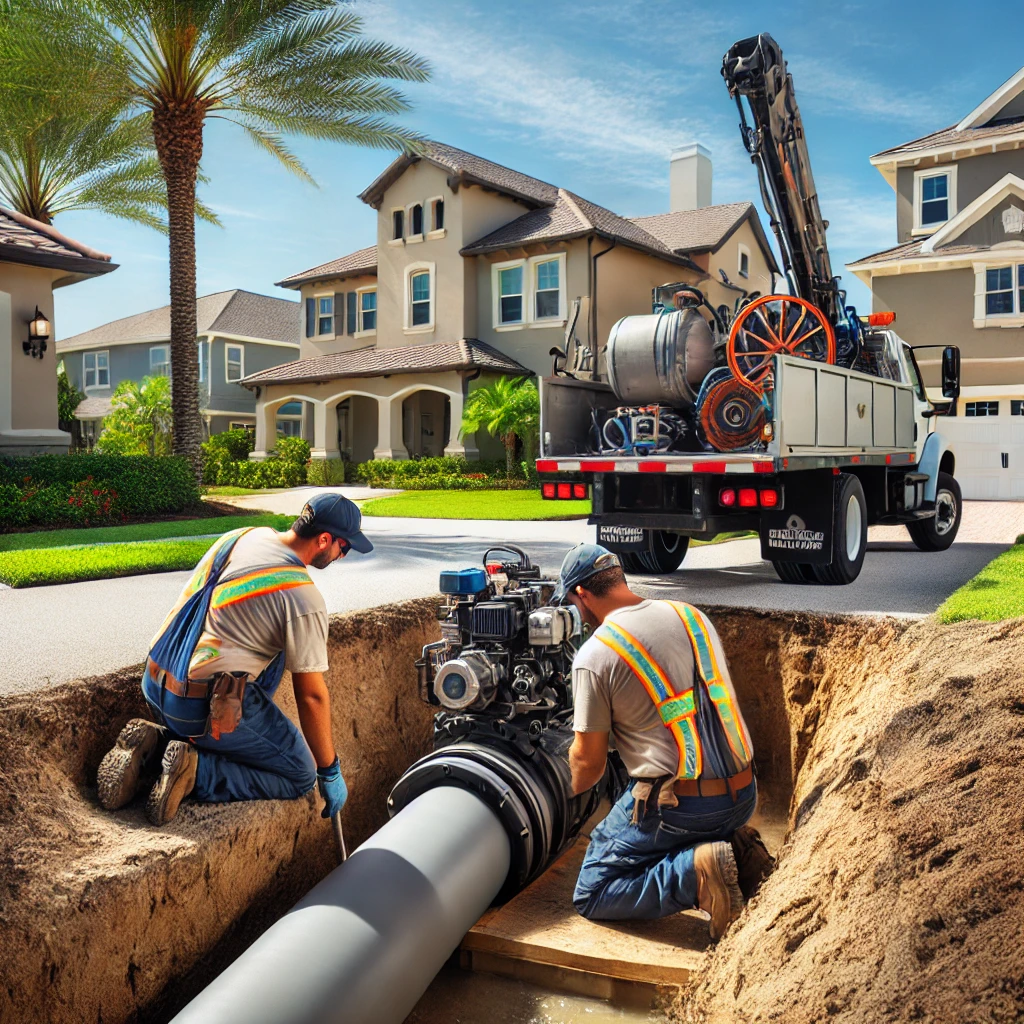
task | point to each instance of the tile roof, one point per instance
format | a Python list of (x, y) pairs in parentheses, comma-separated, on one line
[(24, 240), (362, 261), (465, 168), (233, 312), (572, 217), (467, 354), (950, 137), (94, 408), (698, 230)]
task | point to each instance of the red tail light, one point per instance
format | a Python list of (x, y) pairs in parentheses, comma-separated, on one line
[(769, 499), (727, 497), (579, 490), (547, 490), (748, 497), (564, 490)]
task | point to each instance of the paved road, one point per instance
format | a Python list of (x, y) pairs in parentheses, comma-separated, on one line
[(53, 634)]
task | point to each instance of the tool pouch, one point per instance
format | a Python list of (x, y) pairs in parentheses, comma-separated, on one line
[(226, 703), (646, 794)]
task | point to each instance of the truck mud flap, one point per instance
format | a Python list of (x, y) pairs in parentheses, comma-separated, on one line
[(802, 531)]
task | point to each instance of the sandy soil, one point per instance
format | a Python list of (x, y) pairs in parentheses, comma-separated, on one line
[(104, 918), (898, 894)]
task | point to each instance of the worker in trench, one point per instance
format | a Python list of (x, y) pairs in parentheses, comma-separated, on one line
[(653, 678), (249, 612)]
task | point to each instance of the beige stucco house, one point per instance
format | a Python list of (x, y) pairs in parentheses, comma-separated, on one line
[(474, 272), (34, 259), (956, 277)]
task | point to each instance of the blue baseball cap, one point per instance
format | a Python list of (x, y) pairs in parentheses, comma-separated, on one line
[(582, 562), (335, 514)]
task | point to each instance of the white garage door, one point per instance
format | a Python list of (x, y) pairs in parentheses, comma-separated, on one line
[(981, 447)]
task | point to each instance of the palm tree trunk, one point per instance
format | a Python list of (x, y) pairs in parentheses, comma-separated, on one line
[(510, 451), (178, 134)]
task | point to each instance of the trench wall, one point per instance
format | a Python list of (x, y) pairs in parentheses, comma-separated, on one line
[(106, 919)]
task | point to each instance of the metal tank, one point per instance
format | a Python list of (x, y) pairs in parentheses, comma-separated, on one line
[(660, 358)]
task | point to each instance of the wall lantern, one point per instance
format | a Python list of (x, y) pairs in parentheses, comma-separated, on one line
[(38, 333)]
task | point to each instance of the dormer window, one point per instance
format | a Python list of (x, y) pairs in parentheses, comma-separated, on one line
[(934, 198)]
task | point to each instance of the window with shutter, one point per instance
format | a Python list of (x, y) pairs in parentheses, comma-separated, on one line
[(350, 313), (310, 317)]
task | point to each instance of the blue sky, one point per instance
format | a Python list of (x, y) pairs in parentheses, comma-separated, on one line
[(590, 95)]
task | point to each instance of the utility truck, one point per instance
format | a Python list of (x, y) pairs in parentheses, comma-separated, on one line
[(790, 415)]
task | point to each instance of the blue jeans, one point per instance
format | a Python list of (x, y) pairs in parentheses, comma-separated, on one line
[(265, 758), (638, 872)]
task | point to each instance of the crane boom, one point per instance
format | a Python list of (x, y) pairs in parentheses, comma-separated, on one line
[(754, 68)]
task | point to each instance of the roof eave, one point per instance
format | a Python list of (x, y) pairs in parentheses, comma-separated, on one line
[(80, 267), (295, 283)]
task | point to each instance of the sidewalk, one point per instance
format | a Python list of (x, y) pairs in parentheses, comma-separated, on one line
[(290, 502)]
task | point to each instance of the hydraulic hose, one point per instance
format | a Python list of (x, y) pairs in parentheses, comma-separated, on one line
[(364, 944)]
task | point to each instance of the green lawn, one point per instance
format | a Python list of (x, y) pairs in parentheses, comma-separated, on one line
[(997, 592), (139, 531), (226, 491), (474, 505), (35, 567)]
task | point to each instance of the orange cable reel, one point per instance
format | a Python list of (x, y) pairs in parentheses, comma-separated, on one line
[(777, 325)]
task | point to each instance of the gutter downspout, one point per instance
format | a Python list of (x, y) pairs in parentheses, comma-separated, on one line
[(593, 299)]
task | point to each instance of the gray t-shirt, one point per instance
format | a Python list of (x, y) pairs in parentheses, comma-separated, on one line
[(246, 635), (608, 697)]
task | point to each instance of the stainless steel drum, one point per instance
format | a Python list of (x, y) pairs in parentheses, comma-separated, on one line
[(660, 358)]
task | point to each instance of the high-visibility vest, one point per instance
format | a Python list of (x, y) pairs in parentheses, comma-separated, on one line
[(677, 706)]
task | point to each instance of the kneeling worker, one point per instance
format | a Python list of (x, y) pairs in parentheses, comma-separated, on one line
[(654, 676), (249, 612)]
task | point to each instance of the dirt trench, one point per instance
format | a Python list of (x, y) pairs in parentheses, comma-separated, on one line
[(893, 749)]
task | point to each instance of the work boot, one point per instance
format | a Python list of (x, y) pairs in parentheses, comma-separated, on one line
[(718, 890), (138, 746), (177, 777)]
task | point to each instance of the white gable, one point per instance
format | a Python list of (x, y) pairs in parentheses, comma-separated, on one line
[(992, 105), (1009, 185)]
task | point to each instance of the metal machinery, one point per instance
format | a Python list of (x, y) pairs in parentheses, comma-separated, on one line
[(471, 823)]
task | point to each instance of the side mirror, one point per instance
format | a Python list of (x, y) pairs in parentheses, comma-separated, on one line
[(950, 372)]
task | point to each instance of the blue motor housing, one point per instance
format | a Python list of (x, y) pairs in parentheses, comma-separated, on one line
[(463, 581)]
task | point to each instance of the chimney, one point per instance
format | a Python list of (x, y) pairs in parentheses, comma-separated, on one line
[(689, 178)]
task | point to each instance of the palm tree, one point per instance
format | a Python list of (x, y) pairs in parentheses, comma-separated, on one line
[(273, 67), (140, 422), (507, 409)]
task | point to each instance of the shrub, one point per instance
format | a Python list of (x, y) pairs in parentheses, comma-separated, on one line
[(59, 489), (226, 461), (422, 474), (328, 472)]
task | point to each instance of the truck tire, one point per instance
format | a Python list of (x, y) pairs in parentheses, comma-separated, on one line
[(849, 533), (795, 572), (665, 553), (938, 533)]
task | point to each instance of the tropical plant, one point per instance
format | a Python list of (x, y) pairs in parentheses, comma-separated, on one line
[(140, 423), (68, 397), (66, 145), (508, 409), (273, 67)]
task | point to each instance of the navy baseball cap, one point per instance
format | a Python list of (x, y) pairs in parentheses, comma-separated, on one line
[(582, 562), (335, 514)]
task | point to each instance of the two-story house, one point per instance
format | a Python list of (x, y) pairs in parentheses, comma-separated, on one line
[(957, 278), (238, 333), (474, 272), (35, 258)]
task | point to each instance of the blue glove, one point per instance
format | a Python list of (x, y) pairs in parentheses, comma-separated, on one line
[(332, 788)]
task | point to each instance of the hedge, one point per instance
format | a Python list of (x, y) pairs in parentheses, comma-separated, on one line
[(445, 472), (86, 489), (226, 461)]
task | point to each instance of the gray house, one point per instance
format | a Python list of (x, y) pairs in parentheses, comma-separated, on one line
[(957, 277), (239, 333)]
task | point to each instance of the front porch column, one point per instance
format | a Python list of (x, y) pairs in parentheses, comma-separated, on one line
[(266, 428), (465, 446), (389, 430), (325, 432)]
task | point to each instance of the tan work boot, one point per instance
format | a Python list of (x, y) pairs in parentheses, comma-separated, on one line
[(178, 776), (718, 890), (137, 747)]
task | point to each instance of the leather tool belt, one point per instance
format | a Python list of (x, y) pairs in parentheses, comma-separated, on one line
[(179, 687), (663, 792), (226, 703)]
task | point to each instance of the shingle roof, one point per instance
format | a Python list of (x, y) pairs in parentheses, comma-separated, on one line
[(698, 230), (949, 137), (238, 312), (362, 261), (24, 240), (465, 168), (94, 408), (467, 354), (906, 250), (572, 217)]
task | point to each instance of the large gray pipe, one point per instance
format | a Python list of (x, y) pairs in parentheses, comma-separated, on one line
[(363, 945)]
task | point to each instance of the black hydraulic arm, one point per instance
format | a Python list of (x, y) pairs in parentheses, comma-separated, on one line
[(754, 68)]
